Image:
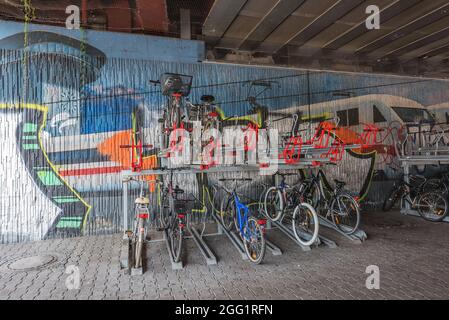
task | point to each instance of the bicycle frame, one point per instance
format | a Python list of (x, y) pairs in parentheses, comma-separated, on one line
[(407, 198), (324, 201), (242, 212), (242, 220)]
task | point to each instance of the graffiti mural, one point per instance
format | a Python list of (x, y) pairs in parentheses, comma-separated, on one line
[(62, 128), (44, 204)]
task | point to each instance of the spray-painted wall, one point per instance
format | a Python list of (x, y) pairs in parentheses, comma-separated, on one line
[(66, 101)]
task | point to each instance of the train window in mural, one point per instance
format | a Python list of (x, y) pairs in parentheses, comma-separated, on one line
[(412, 115), (349, 117), (377, 115)]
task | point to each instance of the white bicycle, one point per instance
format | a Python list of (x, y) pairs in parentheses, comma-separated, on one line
[(284, 200)]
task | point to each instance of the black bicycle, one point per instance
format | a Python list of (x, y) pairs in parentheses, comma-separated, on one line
[(431, 205), (173, 213), (175, 87), (336, 205)]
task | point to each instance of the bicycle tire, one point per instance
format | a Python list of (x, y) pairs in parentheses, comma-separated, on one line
[(278, 209), (437, 211), (176, 241), (248, 243), (338, 218), (139, 239), (164, 211), (227, 212), (310, 214)]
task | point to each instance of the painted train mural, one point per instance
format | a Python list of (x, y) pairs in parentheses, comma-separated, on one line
[(66, 105)]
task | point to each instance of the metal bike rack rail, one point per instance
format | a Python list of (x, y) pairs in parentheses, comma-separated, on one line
[(174, 265), (238, 244), (207, 253), (125, 255), (305, 235), (125, 259), (232, 237), (358, 236)]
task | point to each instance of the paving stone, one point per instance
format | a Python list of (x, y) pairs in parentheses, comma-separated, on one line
[(411, 266)]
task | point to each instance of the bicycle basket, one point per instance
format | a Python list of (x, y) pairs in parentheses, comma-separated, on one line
[(172, 83)]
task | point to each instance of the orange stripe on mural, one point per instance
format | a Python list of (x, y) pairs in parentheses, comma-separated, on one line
[(111, 147)]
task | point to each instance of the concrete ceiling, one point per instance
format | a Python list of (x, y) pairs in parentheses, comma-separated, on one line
[(413, 38), (319, 34)]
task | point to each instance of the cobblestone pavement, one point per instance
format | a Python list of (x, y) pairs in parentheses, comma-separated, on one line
[(412, 256)]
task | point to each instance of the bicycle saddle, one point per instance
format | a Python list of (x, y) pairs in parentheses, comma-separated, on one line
[(142, 200), (207, 98), (339, 183), (178, 190)]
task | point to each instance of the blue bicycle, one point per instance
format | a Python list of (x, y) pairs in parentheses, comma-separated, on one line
[(252, 230)]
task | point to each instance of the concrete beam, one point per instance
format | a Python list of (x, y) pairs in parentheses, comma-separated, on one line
[(280, 11), (358, 30), (221, 15)]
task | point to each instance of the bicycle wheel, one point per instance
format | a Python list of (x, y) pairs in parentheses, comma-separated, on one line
[(139, 239), (392, 198), (305, 220), (227, 212), (274, 204), (176, 241), (432, 207), (345, 213), (254, 241), (164, 210)]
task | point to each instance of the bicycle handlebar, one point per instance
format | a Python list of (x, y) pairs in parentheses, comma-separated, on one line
[(141, 180), (287, 174), (236, 179), (128, 146)]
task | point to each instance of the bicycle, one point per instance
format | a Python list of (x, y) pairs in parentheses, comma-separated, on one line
[(337, 206), (250, 229), (139, 235), (172, 216), (283, 199), (175, 87), (431, 206)]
